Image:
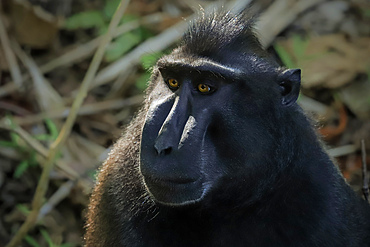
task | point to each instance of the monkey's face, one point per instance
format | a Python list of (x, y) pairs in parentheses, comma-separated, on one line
[(205, 123), (175, 154)]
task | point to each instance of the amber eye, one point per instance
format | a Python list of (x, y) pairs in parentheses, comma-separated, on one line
[(173, 84), (204, 88)]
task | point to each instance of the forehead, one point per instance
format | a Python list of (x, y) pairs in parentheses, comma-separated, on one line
[(248, 66), (197, 64)]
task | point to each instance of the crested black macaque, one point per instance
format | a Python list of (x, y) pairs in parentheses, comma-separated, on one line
[(221, 155)]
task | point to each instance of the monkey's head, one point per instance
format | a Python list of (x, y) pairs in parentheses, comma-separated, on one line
[(212, 107)]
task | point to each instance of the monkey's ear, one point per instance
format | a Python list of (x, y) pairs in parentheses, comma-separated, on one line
[(289, 82)]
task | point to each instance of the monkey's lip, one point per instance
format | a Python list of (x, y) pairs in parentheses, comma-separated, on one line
[(176, 191), (179, 180)]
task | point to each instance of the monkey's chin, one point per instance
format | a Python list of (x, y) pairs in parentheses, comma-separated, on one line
[(177, 194)]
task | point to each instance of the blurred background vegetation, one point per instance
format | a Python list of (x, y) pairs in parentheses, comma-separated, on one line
[(47, 46)]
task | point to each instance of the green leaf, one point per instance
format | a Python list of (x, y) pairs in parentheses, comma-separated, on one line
[(53, 132), (149, 60), (31, 241), (53, 129), (13, 136), (92, 174), (32, 160), (125, 19), (47, 237), (110, 7), (366, 12), (8, 144), (142, 82), (67, 245), (299, 97), (43, 137), (84, 20), (299, 46), (121, 45), (145, 33), (129, 18), (23, 209), (284, 56), (21, 168), (102, 30)]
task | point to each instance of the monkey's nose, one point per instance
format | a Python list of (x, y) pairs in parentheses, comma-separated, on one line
[(167, 139), (162, 148)]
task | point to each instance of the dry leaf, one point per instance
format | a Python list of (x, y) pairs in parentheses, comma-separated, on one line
[(357, 97), (4, 66), (32, 26), (331, 61)]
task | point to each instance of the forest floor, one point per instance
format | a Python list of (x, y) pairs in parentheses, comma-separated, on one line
[(46, 47)]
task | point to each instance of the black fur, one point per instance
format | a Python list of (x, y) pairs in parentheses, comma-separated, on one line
[(265, 177)]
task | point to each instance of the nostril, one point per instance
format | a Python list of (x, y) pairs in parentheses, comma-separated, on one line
[(167, 151), (162, 150)]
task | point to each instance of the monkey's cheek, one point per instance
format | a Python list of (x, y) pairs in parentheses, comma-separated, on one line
[(175, 194)]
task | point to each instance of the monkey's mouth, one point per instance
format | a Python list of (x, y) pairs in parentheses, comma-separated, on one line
[(170, 182), (175, 191), (176, 180)]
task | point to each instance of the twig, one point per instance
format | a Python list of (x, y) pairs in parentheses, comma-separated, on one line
[(11, 153), (27, 138), (311, 105), (280, 15), (47, 97), (63, 191), (119, 85), (66, 129), (40, 149), (15, 72), (158, 43), (14, 108), (7, 89), (343, 150), (87, 109), (365, 179)]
